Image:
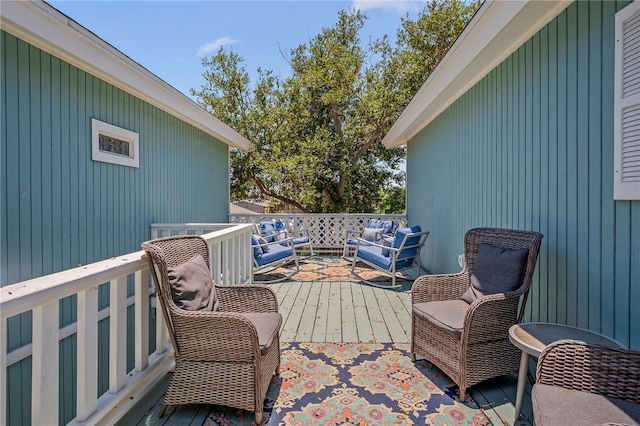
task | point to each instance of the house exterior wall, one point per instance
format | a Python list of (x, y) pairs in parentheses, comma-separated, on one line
[(531, 147), (59, 209)]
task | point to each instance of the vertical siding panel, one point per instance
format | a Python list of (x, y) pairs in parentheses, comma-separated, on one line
[(608, 232), (533, 176), (572, 167), (35, 166), (542, 177), (562, 197), (46, 239), (634, 266), (582, 146), (623, 270), (593, 237), (4, 200), (84, 156), (24, 153), (73, 165), (65, 152), (554, 295)]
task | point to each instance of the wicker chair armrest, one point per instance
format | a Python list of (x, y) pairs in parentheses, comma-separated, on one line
[(214, 336), (430, 288), (247, 298), (490, 317), (604, 370)]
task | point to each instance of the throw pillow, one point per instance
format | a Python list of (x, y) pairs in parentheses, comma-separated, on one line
[(496, 270), (372, 234), (262, 240), (192, 288), (257, 250), (386, 241)]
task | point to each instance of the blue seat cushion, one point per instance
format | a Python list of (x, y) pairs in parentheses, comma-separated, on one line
[(277, 252), (374, 255)]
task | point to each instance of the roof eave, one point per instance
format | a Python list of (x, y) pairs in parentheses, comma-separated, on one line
[(497, 30), (44, 27)]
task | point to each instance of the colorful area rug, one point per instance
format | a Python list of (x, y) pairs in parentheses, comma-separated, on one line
[(325, 268), (356, 384)]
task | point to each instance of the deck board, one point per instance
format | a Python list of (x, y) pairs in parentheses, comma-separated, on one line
[(322, 314), (334, 321), (342, 312), (365, 332)]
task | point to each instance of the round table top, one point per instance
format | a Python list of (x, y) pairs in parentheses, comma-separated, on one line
[(533, 337)]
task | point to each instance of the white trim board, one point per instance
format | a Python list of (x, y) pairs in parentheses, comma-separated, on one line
[(44, 27)]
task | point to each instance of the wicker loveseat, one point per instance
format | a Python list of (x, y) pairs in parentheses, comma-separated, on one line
[(226, 341), (586, 384)]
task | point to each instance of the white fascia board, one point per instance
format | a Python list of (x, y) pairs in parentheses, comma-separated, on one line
[(497, 30), (44, 27)]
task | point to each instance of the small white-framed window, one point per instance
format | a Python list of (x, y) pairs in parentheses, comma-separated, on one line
[(112, 144), (626, 179)]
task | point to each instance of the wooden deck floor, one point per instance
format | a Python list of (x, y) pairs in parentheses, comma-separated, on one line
[(343, 312)]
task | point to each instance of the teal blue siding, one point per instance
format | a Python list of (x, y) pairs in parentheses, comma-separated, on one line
[(530, 146), (60, 209)]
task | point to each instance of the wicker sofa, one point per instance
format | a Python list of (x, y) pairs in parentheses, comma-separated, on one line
[(586, 384)]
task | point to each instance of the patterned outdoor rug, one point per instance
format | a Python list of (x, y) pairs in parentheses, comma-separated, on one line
[(356, 384), (325, 268)]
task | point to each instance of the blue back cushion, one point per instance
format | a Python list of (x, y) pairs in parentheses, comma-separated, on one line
[(386, 225), (399, 236), (270, 227)]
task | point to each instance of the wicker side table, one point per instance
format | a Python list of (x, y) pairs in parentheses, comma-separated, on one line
[(533, 337)]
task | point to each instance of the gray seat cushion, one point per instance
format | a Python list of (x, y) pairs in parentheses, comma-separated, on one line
[(447, 315), (267, 325), (192, 288), (554, 405)]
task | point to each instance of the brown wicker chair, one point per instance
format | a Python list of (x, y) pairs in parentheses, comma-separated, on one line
[(219, 356), (481, 348), (580, 383)]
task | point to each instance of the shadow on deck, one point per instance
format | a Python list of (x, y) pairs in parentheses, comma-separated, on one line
[(326, 303)]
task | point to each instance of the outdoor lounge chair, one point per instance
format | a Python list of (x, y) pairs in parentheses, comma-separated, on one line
[(586, 384), (376, 231), (269, 255), (460, 322), (273, 230), (391, 257), (225, 338)]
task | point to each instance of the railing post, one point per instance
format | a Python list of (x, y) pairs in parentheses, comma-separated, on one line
[(87, 353), (141, 316), (118, 334), (45, 354)]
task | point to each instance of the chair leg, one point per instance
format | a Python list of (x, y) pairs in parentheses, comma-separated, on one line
[(413, 357), (162, 411), (463, 394), (258, 417)]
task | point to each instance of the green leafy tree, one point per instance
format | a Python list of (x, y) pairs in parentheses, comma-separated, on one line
[(316, 135)]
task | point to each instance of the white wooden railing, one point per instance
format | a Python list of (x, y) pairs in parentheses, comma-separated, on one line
[(231, 263), (326, 231)]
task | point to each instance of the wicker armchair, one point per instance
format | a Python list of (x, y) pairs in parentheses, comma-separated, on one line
[(479, 347), (226, 356), (580, 383)]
